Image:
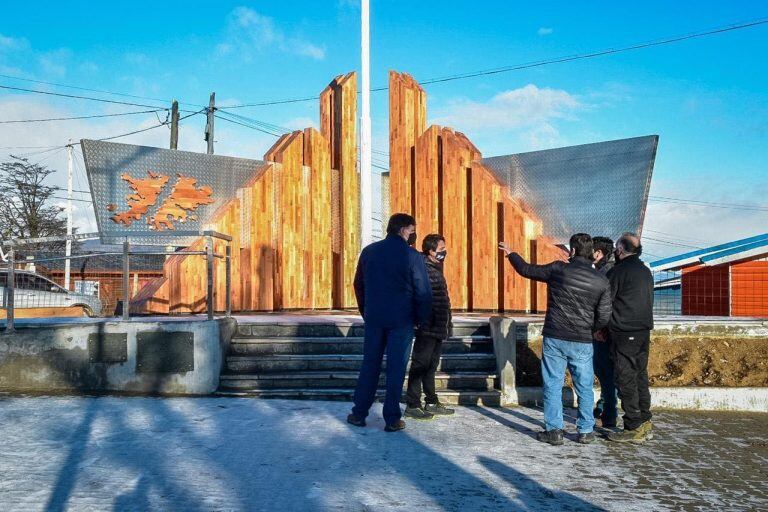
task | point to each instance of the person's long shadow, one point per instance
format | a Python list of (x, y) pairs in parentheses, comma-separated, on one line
[(532, 494), (530, 432)]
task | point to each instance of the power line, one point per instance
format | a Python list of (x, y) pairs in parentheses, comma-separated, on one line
[(528, 65), (82, 117), (78, 97), (671, 243), (262, 130), (125, 95), (694, 202)]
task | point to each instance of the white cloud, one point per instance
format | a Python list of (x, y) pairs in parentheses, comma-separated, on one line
[(529, 112), (249, 32), (55, 61), (545, 31), (12, 43)]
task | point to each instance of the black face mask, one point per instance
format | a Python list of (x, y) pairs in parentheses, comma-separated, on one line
[(616, 255), (412, 238), (440, 255)]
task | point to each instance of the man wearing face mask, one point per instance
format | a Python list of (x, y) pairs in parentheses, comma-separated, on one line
[(605, 409), (393, 296), (430, 336)]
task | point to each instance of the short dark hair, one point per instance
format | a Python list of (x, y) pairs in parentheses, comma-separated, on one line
[(430, 242), (602, 244), (631, 243), (399, 221), (581, 243)]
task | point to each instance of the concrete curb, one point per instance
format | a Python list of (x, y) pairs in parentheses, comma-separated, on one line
[(698, 399)]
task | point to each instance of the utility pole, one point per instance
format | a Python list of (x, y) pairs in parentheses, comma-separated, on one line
[(68, 251), (174, 124), (366, 211), (209, 123)]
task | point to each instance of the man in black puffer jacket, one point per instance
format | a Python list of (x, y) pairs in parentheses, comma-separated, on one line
[(430, 336), (578, 305)]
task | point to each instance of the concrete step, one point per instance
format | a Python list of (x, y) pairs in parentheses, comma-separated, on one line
[(327, 329), (340, 345), (486, 398), (476, 381), (282, 363)]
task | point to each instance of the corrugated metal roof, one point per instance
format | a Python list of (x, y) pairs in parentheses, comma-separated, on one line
[(745, 248)]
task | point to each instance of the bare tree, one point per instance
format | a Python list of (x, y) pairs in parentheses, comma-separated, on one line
[(25, 209)]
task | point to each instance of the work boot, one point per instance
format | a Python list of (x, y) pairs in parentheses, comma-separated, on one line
[(439, 409), (553, 437), (418, 413), (587, 438), (354, 420), (647, 428), (394, 427), (636, 436), (598, 409)]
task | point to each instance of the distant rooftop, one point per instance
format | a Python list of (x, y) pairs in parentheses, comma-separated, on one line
[(746, 248)]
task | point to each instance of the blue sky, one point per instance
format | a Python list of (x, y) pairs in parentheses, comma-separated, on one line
[(706, 98)]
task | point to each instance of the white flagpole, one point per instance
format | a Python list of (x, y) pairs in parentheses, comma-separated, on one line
[(366, 212), (69, 215)]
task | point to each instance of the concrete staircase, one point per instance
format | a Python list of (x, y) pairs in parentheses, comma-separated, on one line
[(322, 360)]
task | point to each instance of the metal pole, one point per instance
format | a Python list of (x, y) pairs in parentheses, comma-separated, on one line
[(9, 290), (209, 272), (68, 251), (126, 281), (229, 279), (366, 212)]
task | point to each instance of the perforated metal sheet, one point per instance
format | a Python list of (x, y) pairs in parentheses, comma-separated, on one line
[(105, 162), (600, 189)]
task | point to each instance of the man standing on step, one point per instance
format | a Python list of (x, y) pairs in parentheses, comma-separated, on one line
[(393, 296), (630, 335), (578, 305), (430, 336)]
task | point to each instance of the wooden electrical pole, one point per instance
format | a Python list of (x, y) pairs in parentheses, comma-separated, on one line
[(209, 123), (175, 125)]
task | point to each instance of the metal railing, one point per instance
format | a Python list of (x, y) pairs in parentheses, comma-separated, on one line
[(44, 291)]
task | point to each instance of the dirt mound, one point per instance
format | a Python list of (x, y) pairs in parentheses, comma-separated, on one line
[(680, 361)]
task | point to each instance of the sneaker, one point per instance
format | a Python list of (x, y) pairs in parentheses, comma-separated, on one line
[(417, 413), (587, 438), (598, 409), (439, 409), (354, 420), (553, 437), (394, 427), (637, 436)]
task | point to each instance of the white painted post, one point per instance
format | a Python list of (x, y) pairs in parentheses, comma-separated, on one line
[(366, 210), (68, 252)]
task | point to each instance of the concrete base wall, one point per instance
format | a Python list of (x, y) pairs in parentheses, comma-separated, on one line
[(48, 357)]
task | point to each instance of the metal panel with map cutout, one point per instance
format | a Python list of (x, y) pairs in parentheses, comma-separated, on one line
[(146, 195)]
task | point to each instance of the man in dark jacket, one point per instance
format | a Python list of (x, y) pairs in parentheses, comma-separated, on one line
[(430, 336), (606, 405), (578, 305), (393, 295), (630, 337)]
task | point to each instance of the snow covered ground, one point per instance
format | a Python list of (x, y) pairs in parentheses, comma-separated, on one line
[(202, 454)]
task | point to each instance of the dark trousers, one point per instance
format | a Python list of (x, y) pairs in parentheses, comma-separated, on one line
[(630, 360), (424, 362), (396, 343), (603, 366)]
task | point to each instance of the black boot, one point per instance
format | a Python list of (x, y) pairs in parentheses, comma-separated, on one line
[(553, 437)]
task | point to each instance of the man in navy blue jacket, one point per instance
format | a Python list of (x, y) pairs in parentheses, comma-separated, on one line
[(393, 295)]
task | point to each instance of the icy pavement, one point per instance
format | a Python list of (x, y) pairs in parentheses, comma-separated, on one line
[(203, 454)]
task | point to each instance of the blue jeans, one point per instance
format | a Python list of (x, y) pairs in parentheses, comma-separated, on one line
[(603, 365), (577, 357), (397, 345)]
